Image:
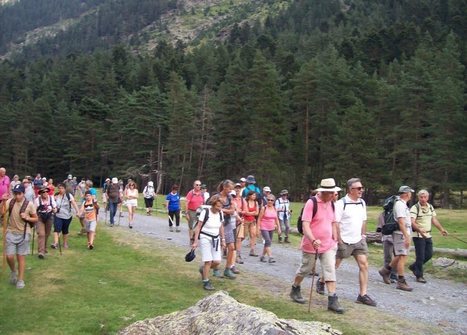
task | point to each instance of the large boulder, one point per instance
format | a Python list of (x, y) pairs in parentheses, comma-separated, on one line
[(220, 314)]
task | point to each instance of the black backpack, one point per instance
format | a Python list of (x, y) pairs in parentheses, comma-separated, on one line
[(315, 210), (390, 224)]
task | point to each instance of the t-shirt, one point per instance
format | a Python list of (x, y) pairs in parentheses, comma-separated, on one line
[(402, 211), (64, 205), (283, 209), (4, 186), (321, 226), (113, 191), (423, 217), (174, 201), (89, 211), (149, 192), (213, 223), (194, 200), (351, 219), (15, 222), (45, 205), (268, 221), (254, 188)]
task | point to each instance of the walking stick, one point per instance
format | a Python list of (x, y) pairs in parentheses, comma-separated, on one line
[(4, 222), (59, 244), (313, 270), (33, 235)]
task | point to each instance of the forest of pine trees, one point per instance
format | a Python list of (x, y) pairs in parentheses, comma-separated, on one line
[(375, 91)]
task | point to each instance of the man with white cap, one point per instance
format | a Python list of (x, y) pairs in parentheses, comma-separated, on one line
[(401, 239), (113, 195), (319, 241)]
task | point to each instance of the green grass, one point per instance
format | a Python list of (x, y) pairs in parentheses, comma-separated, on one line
[(129, 277)]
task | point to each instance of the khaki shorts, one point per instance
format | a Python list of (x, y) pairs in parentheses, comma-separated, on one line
[(399, 247), (16, 245), (247, 225), (193, 219), (240, 231), (327, 261), (345, 250)]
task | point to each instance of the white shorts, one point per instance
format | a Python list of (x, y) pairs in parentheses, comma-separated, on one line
[(91, 226), (132, 202), (208, 248)]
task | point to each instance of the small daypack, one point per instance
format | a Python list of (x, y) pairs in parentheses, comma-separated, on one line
[(315, 210), (389, 222)]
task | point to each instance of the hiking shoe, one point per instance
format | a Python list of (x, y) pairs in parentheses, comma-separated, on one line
[(229, 274), (216, 273), (253, 254), (208, 286), (279, 239), (20, 284), (286, 240), (262, 259), (271, 260), (234, 270), (333, 304), (421, 280), (54, 245), (239, 260), (171, 229), (13, 278), (91, 246), (385, 273), (177, 230), (402, 285), (296, 295), (130, 226), (40, 256), (366, 300), (320, 287)]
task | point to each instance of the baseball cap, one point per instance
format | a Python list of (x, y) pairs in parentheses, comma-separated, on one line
[(18, 188), (114, 180), (405, 189), (243, 180), (266, 189)]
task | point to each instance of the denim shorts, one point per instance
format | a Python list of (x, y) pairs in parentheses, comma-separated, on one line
[(61, 225)]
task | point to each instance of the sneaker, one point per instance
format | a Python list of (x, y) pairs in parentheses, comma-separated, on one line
[(40, 256), (54, 245), (239, 260), (320, 287), (20, 284), (148, 214), (271, 260), (234, 270), (13, 278), (91, 246), (130, 226), (177, 230), (229, 274), (253, 254), (385, 273), (216, 273), (402, 285), (366, 300), (262, 259), (208, 286), (421, 280), (171, 228)]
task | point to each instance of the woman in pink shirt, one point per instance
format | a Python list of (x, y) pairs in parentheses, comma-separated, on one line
[(268, 222)]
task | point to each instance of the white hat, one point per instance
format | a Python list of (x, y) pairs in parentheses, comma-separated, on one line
[(114, 180), (266, 189), (233, 193), (328, 185), (150, 183), (70, 176), (405, 189)]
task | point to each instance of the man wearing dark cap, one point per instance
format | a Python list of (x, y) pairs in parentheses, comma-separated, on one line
[(401, 239), (18, 233)]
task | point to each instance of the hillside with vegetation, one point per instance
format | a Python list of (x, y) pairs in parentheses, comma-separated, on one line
[(308, 90)]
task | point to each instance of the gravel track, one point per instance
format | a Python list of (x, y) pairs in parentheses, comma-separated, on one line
[(439, 302)]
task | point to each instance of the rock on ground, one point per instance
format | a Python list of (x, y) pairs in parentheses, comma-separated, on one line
[(221, 314)]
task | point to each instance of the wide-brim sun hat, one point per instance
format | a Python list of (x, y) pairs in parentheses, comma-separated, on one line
[(328, 185), (251, 179), (190, 255), (266, 189)]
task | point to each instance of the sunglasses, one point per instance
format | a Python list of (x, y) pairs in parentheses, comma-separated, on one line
[(358, 188), (197, 184), (270, 200)]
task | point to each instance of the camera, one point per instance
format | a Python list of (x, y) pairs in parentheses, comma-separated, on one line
[(58, 210)]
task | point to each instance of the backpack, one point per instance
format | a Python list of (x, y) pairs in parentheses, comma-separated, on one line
[(389, 222), (42, 212), (206, 217), (315, 210)]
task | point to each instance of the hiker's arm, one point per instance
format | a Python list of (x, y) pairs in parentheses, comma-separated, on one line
[(196, 234), (338, 232), (29, 217), (278, 225), (335, 234), (3, 208), (260, 216), (438, 225), (221, 233), (404, 231), (75, 206), (364, 230)]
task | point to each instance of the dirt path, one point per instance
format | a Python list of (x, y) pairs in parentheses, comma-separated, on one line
[(439, 302)]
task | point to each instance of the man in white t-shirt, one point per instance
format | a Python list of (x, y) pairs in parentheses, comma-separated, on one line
[(351, 218), (401, 239)]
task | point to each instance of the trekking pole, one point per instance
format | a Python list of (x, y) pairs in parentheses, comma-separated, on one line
[(33, 235), (457, 238), (4, 222), (313, 270), (59, 244)]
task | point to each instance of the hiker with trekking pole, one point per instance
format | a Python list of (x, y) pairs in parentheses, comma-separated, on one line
[(20, 217), (319, 234)]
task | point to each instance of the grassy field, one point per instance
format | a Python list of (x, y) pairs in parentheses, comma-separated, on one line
[(129, 277)]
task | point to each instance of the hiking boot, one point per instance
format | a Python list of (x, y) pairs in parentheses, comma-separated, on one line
[(366, 300), (20, 284), (296, 295), (13, 278), (208, 286), (333, 304), (40, 256), (216, 273), (279, 239), (421, 280), (262, 259), (320, 287), (234, 270), (402, 285), (385, 273), (229, 274), (271, 260), (286, 239), (253, 254), (239, 259)]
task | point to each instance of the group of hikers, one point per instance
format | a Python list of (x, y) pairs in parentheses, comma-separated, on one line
[(333, 229)]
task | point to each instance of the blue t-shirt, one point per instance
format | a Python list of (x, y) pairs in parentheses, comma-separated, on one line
[(174, 201)]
